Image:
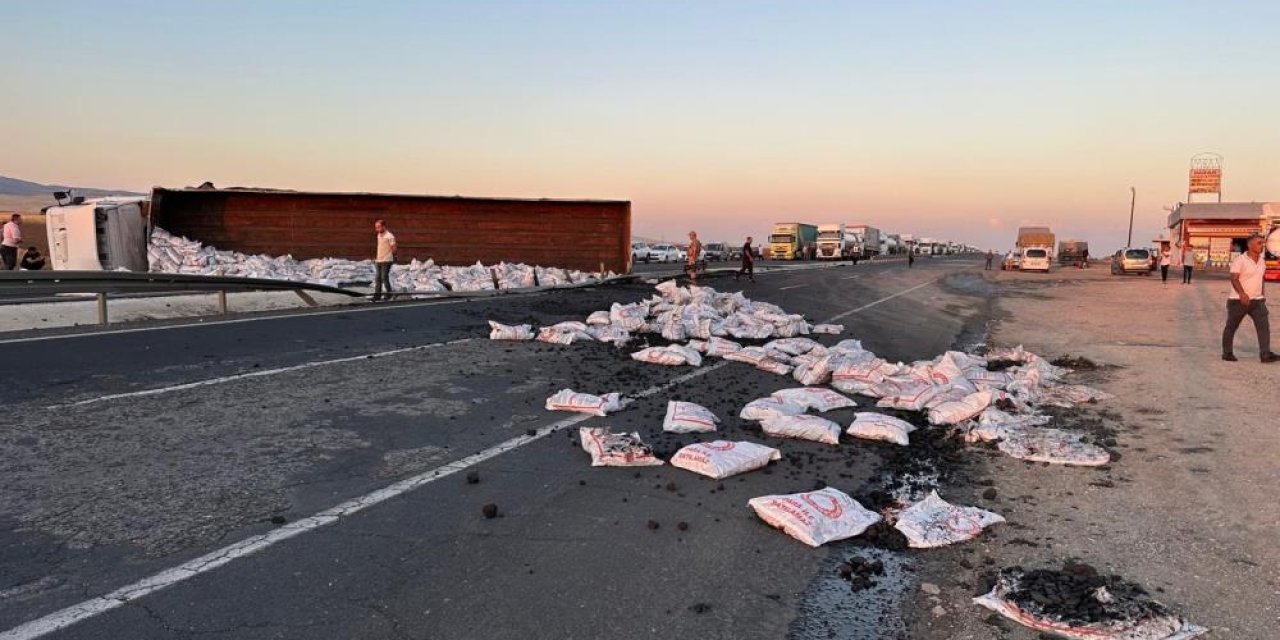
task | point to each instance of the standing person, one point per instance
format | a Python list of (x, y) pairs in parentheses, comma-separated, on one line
[(1247, 298), (911, 259), (991, 256), (32, 260), (1084, 258), (1164, 265), (748, 262), (385, 257), (1188, 263), (695, 252), (11, 241)]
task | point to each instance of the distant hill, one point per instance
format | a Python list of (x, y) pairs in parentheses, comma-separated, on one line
[(16, 187)]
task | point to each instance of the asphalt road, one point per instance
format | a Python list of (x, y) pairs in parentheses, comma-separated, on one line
[(135, 451)]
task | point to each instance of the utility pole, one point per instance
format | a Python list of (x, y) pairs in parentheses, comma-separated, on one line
[(1133, 199)]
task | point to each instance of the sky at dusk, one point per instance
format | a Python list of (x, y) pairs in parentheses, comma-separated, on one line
[(960, 120)]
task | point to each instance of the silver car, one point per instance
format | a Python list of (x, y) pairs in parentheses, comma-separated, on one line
[(1131, 261)]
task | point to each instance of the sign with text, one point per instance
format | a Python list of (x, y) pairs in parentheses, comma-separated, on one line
[(1206, 174)]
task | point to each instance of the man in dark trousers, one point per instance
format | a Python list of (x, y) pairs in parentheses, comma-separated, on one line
[(748, 262), (385, 257), (1188, 263), (1248, 298), (12, 240), (911, 259), (991, 256)]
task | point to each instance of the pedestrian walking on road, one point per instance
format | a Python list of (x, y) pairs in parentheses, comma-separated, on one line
[(695, 253), (1188, 263), (1084, 259), (991, 256), (1164, 265), (386, 256), (748, 262), (11, 241), (911, 259), (1247, 298)]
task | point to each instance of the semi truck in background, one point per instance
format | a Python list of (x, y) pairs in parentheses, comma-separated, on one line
[(1035, 245), (789, 240), (833, 241), (1071, 252), (868, 240)]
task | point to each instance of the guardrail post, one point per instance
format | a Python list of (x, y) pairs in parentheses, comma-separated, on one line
[(222, 302), (102, 308)]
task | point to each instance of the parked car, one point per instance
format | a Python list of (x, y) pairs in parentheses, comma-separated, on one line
[(639, 251), (665, 253), (1035, 259), (1131, 261), (715, 252), (1012, 262)]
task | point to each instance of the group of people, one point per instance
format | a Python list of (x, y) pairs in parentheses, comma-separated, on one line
[(31, 260), (1186, 257), (1247, 297), (695, 255)]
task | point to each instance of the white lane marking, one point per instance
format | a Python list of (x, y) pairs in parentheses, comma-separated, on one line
[(95, 606), (255, 374), (851, 277), (794, 286), (886, 298)]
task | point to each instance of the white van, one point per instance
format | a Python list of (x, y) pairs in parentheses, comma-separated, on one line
[(1035, 259)]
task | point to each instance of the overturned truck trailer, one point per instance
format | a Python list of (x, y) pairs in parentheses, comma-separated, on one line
[(587, 235)]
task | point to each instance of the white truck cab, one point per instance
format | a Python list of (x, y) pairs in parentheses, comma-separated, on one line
[(102, 234)]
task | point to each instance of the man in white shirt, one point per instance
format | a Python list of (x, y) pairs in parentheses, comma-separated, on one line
[(11, 241), (1247, 298), (385, 257)]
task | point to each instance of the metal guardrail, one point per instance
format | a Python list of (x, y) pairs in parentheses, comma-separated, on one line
[(33, 284)]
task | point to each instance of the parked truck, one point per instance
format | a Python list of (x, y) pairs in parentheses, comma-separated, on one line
[(1035, 245), (1072, 252), (869, 240), (790, 239), (835, 242)]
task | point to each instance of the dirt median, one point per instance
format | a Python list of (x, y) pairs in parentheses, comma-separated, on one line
[(1186, 509)]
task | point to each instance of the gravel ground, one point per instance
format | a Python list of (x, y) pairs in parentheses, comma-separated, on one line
[(1188, 509)]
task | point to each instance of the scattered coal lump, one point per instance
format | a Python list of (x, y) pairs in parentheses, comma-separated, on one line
[(1077, 601)]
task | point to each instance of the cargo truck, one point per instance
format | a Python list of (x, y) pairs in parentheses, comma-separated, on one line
[(112, 233), (835, 242), (1071, 252), (101, 234), (789, 240), (869, 240), (1035, 245)]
